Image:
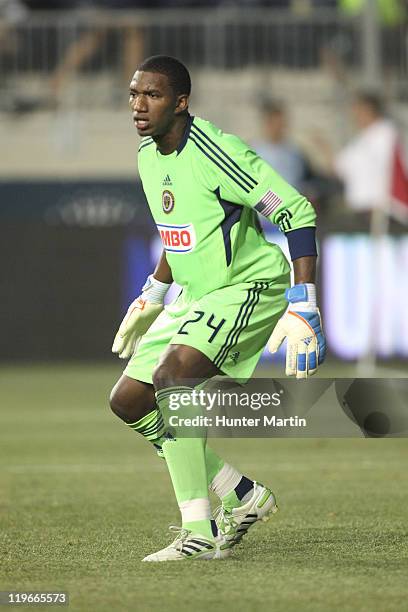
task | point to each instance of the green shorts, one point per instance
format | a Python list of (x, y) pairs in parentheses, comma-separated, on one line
[(230, 326)]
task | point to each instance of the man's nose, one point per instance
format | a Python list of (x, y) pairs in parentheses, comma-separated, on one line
[(139, 104)]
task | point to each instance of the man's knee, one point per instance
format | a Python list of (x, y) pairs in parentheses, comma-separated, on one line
[(131, 399), (117, 399), (182, 365), (167, 373)]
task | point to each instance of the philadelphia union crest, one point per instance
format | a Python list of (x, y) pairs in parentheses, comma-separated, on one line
[(167, 201)]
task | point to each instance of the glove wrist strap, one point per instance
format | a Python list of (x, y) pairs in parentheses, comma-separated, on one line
[(154, 291), (302, 297)]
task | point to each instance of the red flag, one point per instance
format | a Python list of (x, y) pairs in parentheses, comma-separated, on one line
[(399, 184)]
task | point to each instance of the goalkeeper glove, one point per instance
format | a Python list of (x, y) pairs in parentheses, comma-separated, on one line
[(301, 325), (139, 317)]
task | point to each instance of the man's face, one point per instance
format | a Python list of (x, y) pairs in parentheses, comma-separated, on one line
[(275, 126), (363, 114), (153, 103)]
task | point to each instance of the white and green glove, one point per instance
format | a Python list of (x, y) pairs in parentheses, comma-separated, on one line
[(140, 315), (302, 326)]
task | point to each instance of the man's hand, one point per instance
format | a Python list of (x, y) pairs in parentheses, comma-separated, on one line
[(139, 317), (301, 325)]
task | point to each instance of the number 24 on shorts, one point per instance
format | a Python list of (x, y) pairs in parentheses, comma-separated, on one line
[(200, 314)]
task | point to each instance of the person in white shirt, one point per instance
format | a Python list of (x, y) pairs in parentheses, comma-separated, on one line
[(365, 164)]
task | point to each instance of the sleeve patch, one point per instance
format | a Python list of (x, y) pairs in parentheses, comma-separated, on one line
[(268, 203)]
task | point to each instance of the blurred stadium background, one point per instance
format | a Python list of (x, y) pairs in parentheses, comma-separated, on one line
[(82, 497), (76, 237)]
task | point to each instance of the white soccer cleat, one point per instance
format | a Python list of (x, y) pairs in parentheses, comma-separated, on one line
[(189, 546), (233, 524)]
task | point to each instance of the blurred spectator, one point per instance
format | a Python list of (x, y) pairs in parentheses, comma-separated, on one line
[(288, 160), (132, 38), (365, 164), (276, 148), (82, 50), (391, 15), (12, 12), (305, 7), (390, 12), (342, 50)]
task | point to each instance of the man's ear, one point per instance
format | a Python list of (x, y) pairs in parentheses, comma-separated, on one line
[(182, 104)]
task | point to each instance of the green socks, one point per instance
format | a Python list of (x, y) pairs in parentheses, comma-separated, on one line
[(213, 463), (151, 426), (221, 478), (185, 459)]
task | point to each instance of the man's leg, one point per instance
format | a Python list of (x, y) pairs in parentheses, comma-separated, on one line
[(185, 457), (234, 325), (134, 402)]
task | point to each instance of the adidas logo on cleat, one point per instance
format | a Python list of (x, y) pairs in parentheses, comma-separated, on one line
[(197, 546), (234, 523), (191, 546)]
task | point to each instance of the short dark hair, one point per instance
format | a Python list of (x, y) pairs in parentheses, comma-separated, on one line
[(175, 71), (371, 99), (270, 106)]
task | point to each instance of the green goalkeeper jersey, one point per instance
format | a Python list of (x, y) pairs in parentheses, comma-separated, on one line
[(204, 198)]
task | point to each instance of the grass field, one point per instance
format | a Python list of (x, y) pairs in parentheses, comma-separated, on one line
[(83, 499)]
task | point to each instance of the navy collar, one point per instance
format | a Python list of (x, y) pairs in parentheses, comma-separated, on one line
[(186, 134)]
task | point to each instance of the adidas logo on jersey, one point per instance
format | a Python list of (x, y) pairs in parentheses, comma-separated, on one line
[(167, 181)]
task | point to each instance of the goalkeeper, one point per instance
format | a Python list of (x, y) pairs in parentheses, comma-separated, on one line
[(204, 189)]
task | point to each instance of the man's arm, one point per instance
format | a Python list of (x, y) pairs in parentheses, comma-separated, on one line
[(255, 184), (162, 271), (304, 270)]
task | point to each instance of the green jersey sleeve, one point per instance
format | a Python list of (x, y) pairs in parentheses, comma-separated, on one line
[(242, 177)]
